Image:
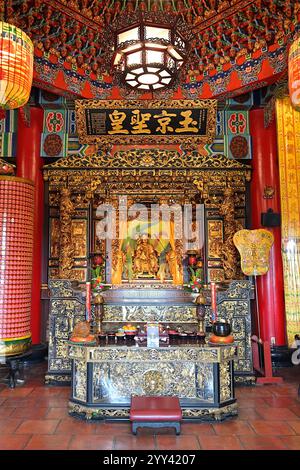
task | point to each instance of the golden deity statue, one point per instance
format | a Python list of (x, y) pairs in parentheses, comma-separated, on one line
[(172, 263), (145, 258)]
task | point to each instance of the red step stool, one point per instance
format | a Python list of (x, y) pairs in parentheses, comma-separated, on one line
[(155, 412)]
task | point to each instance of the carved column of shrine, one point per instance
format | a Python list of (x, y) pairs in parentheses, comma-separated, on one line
[(66, 253), (265, 194), (29, 166)]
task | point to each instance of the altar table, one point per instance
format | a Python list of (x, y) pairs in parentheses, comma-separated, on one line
[(105, 377)]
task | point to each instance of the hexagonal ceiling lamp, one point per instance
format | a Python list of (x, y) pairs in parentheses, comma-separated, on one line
[(149, 56)]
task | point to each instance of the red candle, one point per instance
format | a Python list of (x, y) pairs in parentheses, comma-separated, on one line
[(88, 302), (213, 300)]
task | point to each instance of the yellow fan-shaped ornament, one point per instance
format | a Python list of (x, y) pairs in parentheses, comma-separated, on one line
[(254, 247)]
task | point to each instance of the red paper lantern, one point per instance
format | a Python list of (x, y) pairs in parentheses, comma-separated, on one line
[(16, 66)]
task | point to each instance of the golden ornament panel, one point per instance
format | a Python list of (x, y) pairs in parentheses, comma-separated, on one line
[(117, 127)]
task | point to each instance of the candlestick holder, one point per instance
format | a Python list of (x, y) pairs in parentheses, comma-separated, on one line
[(99, 312), (88, 316), (200, 311), (213, 290)]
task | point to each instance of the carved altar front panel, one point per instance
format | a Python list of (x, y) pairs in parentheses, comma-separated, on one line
[(147, 313), (80, 383), (182, 379), (118, 372), (66, 309), (143, 379), (202, 377)]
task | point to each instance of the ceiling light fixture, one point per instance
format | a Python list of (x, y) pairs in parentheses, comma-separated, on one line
[(148, 55)]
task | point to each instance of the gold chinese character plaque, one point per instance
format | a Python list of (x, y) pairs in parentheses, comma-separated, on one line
[(189, 122)]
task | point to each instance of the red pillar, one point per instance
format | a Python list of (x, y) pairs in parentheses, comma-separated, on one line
[(29, 166), (266, 173)]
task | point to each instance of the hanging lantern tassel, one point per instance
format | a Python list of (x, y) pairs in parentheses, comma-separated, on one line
[(16, 66), (294, 73)]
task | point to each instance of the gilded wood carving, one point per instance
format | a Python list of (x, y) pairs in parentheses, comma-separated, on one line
[(163, 132), (146, 175), (66, 254), (228, 250)]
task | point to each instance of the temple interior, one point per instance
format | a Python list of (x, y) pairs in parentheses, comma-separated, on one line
[(149, 225)]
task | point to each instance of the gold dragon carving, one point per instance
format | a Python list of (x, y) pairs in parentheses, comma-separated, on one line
[(228, 250), (66, 209)]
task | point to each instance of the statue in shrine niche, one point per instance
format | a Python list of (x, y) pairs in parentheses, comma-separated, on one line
[(172, 264), (145, 258)]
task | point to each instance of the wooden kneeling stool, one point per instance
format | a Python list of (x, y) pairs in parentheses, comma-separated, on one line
[(155, 412)]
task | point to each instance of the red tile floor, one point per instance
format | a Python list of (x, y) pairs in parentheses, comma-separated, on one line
[(34, 416)]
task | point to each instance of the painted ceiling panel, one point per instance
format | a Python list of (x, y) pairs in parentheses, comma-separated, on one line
[(235, 45)]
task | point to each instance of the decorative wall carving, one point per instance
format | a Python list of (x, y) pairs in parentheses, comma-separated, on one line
[(66, 253), (231, 226), (54, 238), (215, 238), (148, 313), (154, 158), (79, 238)]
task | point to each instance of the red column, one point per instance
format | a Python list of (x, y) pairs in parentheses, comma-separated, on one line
[(266, 173), (29, 165)]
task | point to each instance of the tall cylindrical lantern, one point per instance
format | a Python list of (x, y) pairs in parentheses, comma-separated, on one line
[(16, 253), (16, 66)]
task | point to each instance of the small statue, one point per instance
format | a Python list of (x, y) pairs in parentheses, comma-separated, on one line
[(82, 333), (99, 312), (145, 258), (172, 263), (200, 310)]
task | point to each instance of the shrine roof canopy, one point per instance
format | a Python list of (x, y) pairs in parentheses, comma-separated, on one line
[(237, 45)]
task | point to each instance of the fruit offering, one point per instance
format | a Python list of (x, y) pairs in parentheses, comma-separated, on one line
[(129, 327)]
